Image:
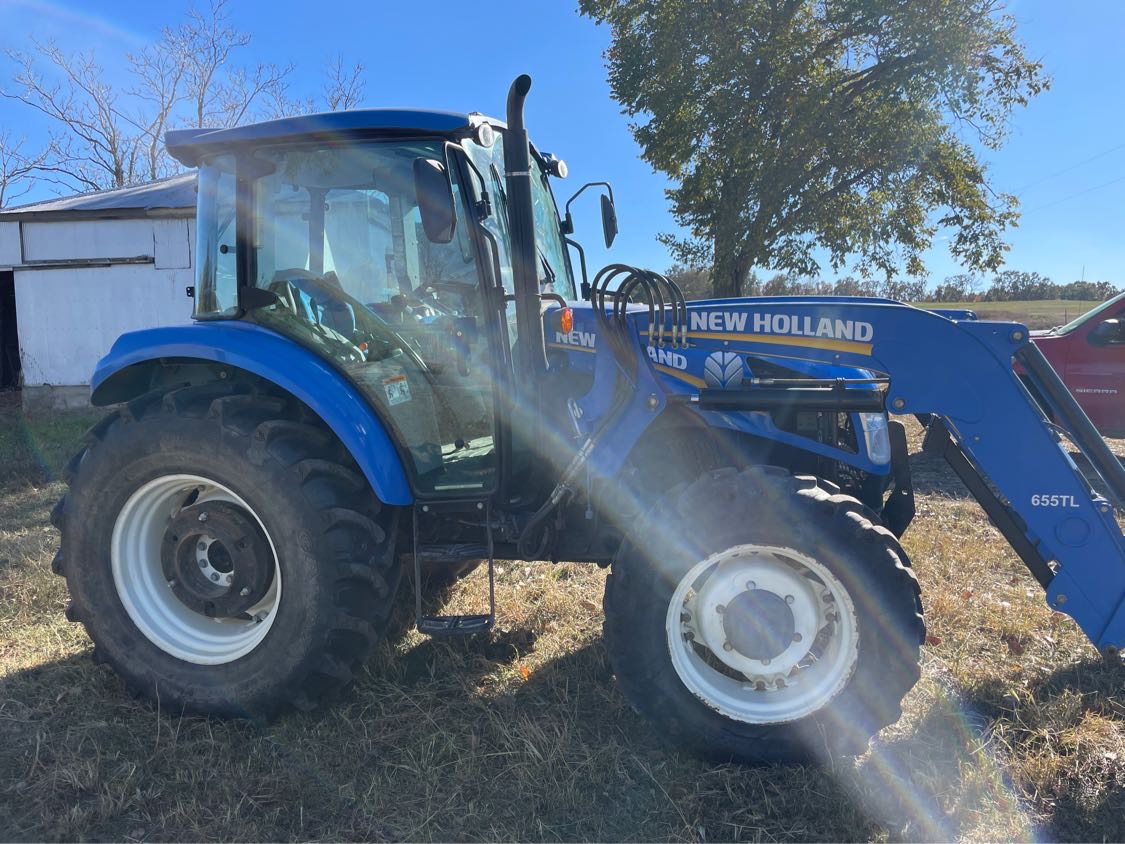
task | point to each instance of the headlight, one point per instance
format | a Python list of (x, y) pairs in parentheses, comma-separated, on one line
[(876, 437)]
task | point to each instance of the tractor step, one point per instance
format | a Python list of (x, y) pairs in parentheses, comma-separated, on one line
[(454, 625)]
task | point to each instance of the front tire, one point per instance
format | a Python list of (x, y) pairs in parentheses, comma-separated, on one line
[(223, 552), (754, 616)]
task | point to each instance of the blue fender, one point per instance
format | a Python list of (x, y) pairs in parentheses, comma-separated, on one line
[(282, 362)]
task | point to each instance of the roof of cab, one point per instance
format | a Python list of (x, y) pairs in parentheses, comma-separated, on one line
[(189, 145)]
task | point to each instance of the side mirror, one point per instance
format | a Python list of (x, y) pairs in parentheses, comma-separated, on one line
[(1106, 332), (436, 204), (609, 221)]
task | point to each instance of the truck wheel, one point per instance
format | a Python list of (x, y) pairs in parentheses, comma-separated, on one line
[(224, 556), (756, 617)]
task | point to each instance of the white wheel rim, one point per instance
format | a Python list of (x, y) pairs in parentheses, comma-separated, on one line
[(148, 598), (810, 670)]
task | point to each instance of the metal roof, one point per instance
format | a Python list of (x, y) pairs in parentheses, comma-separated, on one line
[(174, 194), (188, 145)]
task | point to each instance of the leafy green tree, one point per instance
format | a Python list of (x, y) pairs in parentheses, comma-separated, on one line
[(904, 290), (1087, 290), (779, 284), (694, 282), (1020, 286), (848, 286), (793, 128)]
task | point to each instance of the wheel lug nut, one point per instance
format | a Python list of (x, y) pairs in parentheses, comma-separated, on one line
[(171, 584), (203, 516), (689, 636), (685, 617), (244, 591), (202, 546), (797, 637), (727, 646), (765, 662), (203, 564), (215, 577), (789, 599), (720, 609), (751, 585)]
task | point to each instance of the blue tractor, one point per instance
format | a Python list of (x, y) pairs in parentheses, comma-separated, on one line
[(393, 369)]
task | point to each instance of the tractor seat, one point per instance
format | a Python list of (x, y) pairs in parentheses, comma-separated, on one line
[(339, 315), (314, 298)]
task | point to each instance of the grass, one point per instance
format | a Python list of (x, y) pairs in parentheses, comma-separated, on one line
[(1016, 730), (1045, 313)]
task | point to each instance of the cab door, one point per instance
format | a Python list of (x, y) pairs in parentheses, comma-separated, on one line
[(341, 245)]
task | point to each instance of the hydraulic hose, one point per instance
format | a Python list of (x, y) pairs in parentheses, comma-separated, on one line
[(616, 336)]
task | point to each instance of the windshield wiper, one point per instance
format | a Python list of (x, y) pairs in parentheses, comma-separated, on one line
[(548, 270), (499, 183)]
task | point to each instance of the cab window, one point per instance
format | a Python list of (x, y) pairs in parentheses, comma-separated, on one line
[(339, 245)]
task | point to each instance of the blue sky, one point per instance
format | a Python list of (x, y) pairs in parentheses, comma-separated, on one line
[(1065, 157)]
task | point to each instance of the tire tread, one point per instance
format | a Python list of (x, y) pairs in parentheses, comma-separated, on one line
[(269, 429), (628, 595)]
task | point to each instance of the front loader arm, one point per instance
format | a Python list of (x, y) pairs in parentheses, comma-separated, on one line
[(986, 423)]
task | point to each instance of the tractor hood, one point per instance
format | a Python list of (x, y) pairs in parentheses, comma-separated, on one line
[(730, 341)]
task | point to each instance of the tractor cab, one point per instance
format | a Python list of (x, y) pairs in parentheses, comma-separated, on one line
[(380, 240)]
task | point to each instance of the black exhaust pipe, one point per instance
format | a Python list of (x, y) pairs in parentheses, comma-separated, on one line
[(531, 349)]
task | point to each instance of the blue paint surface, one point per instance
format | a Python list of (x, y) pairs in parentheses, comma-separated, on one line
[(959, 370), (291, 367), (971, 386), (189, 145)]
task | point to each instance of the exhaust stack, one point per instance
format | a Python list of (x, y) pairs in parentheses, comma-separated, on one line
[(532, 353)]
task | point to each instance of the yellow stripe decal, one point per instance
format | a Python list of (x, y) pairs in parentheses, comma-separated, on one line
[(784, 340), (683, 376), (566, 347)]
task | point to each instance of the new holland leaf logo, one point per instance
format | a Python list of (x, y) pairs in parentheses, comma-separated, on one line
[(723, 370)]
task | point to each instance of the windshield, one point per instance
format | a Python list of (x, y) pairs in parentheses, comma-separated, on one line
[(548, 236), (554, 271), (1075, 323)]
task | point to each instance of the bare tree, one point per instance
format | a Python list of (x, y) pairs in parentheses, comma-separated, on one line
[(92, 146), (159, 70), (101, 137), (16, 168), (343, 87), (221, 95), (276, 102)]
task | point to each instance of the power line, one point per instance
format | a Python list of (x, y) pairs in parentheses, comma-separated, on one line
[(1047, 178), (1076, 195)]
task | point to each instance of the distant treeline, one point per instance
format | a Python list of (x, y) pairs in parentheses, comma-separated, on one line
[(1006, 286)]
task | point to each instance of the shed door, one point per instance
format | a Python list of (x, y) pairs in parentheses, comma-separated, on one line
[(9, 338)]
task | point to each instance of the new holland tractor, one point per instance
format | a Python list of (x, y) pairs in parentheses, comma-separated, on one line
[(393, 369)]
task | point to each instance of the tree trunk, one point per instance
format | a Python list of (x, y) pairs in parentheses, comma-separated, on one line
[(732, 265), (732, 258)]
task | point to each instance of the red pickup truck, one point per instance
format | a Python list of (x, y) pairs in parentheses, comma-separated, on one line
[(1089, 355)]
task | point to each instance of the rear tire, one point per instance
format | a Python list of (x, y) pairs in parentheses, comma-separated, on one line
[(224, 553), (756, 617)]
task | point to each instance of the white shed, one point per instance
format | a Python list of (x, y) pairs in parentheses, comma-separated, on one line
[(85, 269)]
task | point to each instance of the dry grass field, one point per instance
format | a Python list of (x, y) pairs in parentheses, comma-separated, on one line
[(1046, 313), (1016, 731)]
